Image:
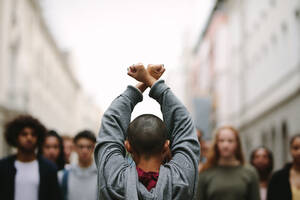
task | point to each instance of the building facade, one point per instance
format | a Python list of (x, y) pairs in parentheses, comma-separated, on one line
[(254, 69), (36, 76)]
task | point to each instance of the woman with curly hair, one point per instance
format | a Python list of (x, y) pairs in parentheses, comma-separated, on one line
[(225, 176), (53, 149), (26, 175)]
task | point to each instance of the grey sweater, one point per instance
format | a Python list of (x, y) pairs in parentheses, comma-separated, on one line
[(119, 180), (82, 182)]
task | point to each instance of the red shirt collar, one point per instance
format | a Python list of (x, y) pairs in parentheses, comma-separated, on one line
[(149, 179)]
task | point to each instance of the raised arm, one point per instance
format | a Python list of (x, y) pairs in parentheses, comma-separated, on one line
[(184, 144), (178, 121), (146, 77), (116, 119), (110, 151)]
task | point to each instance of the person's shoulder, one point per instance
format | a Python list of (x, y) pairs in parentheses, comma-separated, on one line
[(47, 164), (6, 164), (94, 168), (8, 159), (208, 172), (282, 173), (249, 169)]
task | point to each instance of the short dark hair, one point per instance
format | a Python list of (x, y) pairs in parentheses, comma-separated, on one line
[(293, 139), (14, 128), (147, 134), (87, 134)]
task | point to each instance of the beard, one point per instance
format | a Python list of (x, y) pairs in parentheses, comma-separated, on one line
[(27, 149)]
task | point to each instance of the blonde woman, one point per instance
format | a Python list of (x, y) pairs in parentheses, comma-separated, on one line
[(225, 176)]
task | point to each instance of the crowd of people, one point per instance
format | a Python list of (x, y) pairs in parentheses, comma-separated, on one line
[(165, 162), (42, 168)]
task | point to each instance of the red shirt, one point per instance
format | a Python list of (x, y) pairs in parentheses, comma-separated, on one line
[(149, 179)]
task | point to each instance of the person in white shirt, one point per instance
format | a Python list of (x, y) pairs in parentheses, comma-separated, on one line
[(79, 181), (26, 176)]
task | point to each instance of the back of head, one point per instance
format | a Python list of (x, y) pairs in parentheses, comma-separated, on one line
[(147, 134)]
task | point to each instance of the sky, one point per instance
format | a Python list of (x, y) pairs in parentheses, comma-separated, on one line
[(104, 37)]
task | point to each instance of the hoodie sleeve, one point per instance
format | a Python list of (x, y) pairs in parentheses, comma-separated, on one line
[(110, 151), (184, 143)]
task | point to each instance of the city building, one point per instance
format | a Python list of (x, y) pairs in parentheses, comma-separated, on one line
[(36, 77), (249, 54)]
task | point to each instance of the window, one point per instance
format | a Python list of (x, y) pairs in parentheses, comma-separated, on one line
[(13, 71), (297, 13), (274, 39), (284, 27), (273, 3), (263, 14), (248, 142), (273, 132), (264, 139), (14, 12), (284, 140), (265, 49), (256, 26)]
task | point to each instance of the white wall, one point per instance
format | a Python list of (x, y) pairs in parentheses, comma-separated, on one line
[(35, 75)]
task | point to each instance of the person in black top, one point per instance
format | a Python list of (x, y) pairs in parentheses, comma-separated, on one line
[(25, 175), (285, 183)]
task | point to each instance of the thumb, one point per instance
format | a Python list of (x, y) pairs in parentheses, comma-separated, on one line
[(130, 73)]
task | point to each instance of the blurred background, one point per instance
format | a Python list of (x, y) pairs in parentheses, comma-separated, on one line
[(229, 61)]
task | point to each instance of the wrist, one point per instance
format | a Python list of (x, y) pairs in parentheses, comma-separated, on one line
[(150, 81), (141, 86)]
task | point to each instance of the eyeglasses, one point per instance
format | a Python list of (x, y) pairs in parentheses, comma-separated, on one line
[(88, 147)]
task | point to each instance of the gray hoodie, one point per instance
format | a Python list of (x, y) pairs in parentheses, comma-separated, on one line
[(119, 180)]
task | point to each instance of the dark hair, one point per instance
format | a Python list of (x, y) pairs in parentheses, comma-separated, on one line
[(85, 134), (269, 169), (60, 161), (293, 139), (147, 134), (14, 128)]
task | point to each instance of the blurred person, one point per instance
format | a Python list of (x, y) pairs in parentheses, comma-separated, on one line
[(53, 149), (79, 181), (285, 183), (206, 148), (26, 175), (225, 176), (147, 139), (68, 148), (202, 149), (262, 159)]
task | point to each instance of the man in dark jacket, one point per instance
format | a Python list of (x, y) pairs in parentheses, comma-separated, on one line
[(25, 175)]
